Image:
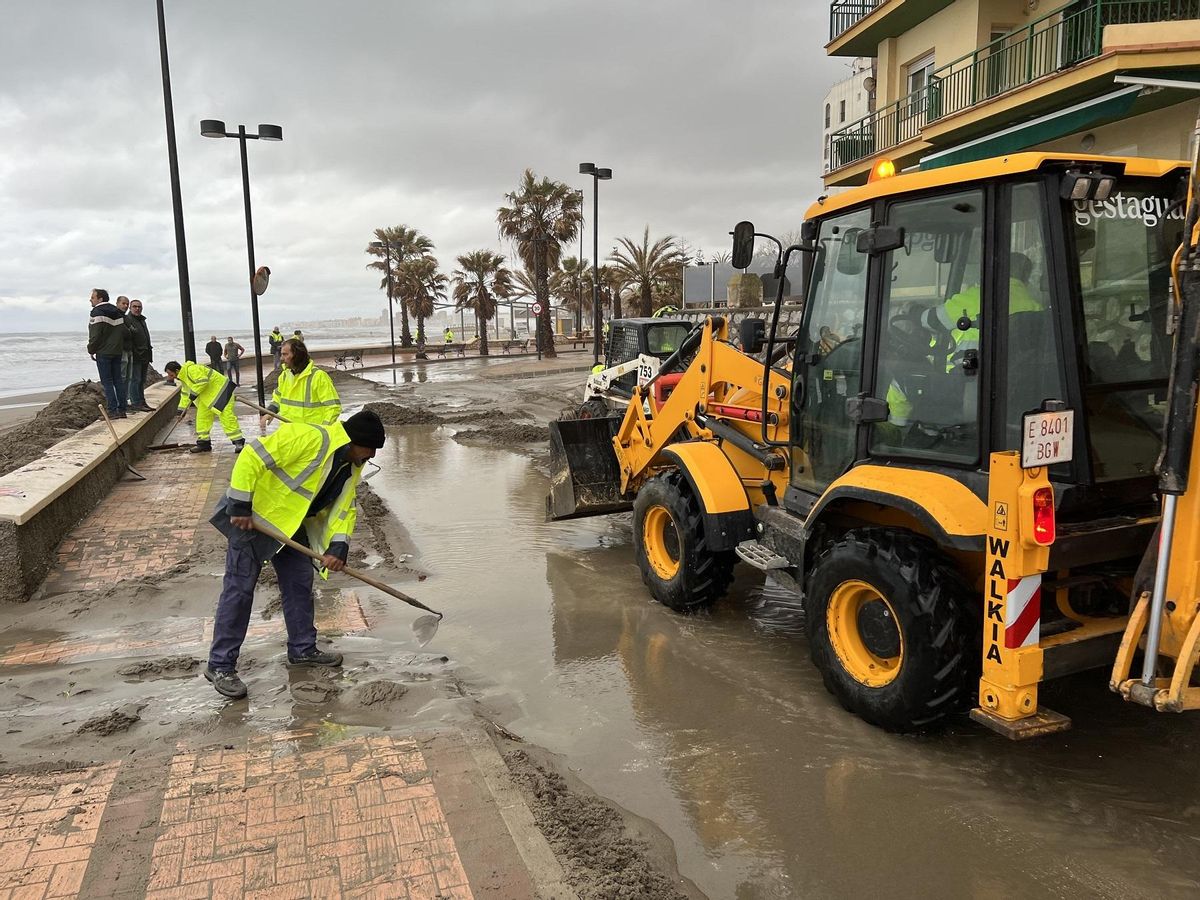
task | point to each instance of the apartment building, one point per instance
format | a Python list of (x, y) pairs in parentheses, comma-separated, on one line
[(957, 80), (851, 99)]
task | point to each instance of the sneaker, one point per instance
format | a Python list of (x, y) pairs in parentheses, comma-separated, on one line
[(144, 408), (202, 447), (227, 683), (315, 657), (238, 445), (120, 414)]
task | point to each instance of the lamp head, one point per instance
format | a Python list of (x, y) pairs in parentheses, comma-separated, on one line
[(587, 168), (270, 133), (604, 174), (212, 128), (377, 245)]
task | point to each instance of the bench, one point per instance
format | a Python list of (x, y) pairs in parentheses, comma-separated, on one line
[(517, 344), (442, 349), (347, 359)]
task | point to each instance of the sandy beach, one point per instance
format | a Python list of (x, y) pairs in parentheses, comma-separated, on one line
[(20, 407)]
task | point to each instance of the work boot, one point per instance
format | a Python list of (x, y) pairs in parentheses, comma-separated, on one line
[(315, 657), (238, 445), (142, 407), (227, 683), (120, 414), (202, 447)]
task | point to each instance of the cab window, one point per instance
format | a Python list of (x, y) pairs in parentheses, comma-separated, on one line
[(930, 321)]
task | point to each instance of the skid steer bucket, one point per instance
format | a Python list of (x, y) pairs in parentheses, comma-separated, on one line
[(585, 478)]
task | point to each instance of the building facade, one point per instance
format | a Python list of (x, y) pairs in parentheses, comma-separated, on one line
[(957, 80), (850, 100)]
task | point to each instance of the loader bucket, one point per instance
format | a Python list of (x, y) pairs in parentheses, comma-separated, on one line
[(585, 478)]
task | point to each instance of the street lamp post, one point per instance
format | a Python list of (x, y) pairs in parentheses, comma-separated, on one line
[(215, 128), (386, 247), (598, 175), (579, 272), (181, 260)]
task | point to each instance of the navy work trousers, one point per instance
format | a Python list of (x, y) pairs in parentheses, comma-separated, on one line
[(295, 573)]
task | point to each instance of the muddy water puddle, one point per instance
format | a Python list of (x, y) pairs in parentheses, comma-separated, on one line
[(420, 373), (717, 728)]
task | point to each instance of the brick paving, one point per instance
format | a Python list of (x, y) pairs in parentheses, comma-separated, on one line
[(48, 824), (342, 612), (356, 819)]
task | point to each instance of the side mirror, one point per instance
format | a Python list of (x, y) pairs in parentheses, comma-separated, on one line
[(880, 239), (743, 244), (753, 334)]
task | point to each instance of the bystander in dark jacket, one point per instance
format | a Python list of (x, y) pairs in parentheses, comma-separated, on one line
[(106, 343), (143, 354), (215, 354)]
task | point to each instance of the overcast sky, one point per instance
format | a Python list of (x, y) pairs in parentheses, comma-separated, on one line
[(415, 113)]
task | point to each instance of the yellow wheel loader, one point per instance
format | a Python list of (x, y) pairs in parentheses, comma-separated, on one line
[(953, 459)]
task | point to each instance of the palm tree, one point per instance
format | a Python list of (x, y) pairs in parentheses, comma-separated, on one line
[(572, 286), (479, 282), (421, 286), (522, 288), (400, 243), (649, 268), (612, 282), (540, 217)]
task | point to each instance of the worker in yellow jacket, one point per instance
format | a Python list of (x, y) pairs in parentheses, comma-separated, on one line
[(209, 390), (304, 393), (299, 482)]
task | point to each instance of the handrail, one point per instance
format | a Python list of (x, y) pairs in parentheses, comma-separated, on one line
[(845, 14), (1047, 45)]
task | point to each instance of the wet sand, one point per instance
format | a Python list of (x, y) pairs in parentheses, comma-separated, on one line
[(19, 407)]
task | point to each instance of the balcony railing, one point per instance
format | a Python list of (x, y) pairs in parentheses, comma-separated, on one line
[(1055, 42), (845, 14)]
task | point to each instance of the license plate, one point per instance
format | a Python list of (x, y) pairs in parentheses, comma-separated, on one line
[(1047, 438)]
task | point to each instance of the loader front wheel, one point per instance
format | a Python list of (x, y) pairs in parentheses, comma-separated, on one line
[(890, 629), (668, 532)]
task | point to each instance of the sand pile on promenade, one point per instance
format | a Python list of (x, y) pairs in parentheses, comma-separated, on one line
[(75, 408)]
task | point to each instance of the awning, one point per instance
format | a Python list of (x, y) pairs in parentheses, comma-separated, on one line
[(1049, 127)]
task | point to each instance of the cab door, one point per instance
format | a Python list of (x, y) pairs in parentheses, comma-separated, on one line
[(829, 355)]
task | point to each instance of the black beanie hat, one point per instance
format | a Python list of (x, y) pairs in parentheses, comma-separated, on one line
[(365, 429)]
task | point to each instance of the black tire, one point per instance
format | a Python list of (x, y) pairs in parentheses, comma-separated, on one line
[(930, 654), (702, 576), (595, 408)]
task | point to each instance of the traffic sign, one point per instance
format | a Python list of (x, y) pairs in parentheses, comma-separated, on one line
[(537, 309)]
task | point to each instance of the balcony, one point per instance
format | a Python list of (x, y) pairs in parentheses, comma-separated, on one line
[(857, 26), (1055, 43)]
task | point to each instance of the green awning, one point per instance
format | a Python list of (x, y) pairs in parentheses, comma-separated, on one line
[(1049, 127)]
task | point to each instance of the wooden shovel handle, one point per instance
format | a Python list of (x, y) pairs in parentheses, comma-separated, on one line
[(353, 573)]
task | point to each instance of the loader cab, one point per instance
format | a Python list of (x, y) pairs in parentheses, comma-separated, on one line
[(1015, 281), (645, 336)]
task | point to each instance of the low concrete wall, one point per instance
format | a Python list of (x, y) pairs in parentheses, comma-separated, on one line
[(51, 495)]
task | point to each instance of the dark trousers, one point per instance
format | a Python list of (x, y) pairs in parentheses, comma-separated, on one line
[(295, 573), (110, 377), (137, 383)]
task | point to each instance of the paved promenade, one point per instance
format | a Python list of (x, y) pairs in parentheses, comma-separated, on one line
[(311, 809)]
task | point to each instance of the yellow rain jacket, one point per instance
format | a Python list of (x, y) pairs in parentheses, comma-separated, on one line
[(204, 387), (307, 397), (279, 476)]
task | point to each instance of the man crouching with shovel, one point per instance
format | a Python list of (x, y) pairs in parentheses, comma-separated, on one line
[(298, 482)]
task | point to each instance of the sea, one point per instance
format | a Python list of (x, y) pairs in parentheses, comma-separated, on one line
[(37, 361)]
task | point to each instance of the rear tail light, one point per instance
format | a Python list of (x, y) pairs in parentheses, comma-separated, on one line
[(1043, 516)]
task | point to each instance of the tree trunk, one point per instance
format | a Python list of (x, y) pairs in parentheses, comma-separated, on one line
[(543, 297), (646, 300), (481, 328), (421, 337), (405, 334), (616, 305)]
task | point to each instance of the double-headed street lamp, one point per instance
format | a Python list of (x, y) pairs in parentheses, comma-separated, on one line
[(215, 128), (386, 247), (598, 175)]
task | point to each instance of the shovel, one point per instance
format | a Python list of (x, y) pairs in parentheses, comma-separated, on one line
[(179, 418), (120, 449), (261, 410), (424, 627)]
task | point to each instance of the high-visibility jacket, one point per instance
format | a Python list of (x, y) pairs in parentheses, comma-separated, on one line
[(306, 397), (204, 387), (279, 476), (448, 335)]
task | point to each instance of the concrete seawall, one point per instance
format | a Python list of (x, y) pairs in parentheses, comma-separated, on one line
[(41, 501)]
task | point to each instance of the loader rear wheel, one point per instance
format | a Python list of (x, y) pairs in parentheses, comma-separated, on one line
[(890, 629), (672, 553), (595, 408)]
